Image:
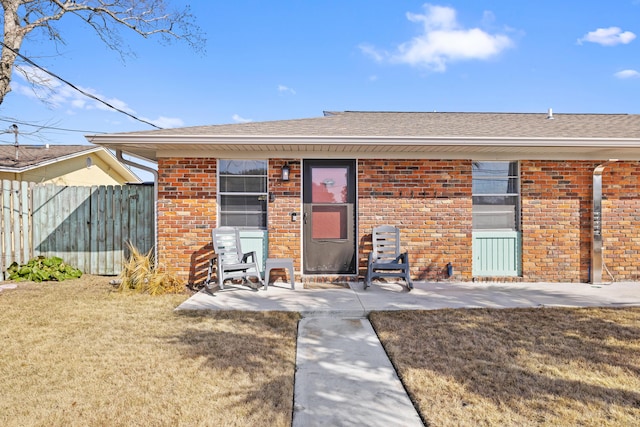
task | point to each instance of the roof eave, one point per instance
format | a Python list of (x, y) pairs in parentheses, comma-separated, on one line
[(114, 140), (103, 152)]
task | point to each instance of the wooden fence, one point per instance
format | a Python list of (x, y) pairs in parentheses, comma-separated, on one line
[(88, 227), (15, 223)]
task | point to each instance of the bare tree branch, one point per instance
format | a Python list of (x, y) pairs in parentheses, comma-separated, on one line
[(147, 18)]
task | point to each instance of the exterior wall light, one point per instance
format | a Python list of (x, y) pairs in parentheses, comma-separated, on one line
[(286, 171)]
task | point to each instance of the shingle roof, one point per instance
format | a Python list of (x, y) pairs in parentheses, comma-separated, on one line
[(34, 155), (507, 136), (436, 124)]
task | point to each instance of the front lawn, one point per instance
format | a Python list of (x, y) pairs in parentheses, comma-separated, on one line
[(517, 367), (76, 353)]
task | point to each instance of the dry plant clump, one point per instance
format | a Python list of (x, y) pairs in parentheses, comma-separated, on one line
[(141, 275), (534, 367)]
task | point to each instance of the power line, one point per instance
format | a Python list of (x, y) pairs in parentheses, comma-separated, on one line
[(88, 95), (47, 127)]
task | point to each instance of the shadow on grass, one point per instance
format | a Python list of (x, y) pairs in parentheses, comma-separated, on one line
[(532, 362), (249, 357)]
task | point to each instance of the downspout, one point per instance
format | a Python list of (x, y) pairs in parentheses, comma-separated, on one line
[(155, 199), (596, 224)]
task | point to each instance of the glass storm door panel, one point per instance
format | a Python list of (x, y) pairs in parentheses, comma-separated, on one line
[(329, 216)]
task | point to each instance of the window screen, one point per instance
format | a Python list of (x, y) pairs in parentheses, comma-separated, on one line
[(242, 193), (496, 196)]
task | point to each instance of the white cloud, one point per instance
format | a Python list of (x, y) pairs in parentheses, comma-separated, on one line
[(166, 122), (237, 118), (488, 18), (372, 52), (285, 89), (78, 103), (41, 86), (627, 74), (608, 36), (115, 102), (443, 40)]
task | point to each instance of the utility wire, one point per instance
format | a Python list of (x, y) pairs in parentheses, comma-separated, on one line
[(48, 127), (88, 95)]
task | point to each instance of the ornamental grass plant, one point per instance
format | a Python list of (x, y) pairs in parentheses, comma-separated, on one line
[(140, 274)]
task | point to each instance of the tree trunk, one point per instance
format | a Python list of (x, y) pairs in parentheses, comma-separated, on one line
[(13, 36)]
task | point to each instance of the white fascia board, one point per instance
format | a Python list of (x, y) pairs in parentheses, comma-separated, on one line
[(159, 140), (478, 148)]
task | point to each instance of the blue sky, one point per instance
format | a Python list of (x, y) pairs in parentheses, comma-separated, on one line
[(291, 59)]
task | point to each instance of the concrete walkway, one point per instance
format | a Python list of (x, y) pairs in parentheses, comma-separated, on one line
[(343, 376)]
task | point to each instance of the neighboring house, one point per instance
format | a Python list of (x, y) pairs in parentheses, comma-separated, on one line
[(71, 165), (499, 196)]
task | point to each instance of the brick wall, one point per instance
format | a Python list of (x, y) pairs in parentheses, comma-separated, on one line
[(621, 221), (187, 210), (556, 220), (284, 234), (430, 201)]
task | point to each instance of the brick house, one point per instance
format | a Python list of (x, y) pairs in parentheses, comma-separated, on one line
[(500, 196)]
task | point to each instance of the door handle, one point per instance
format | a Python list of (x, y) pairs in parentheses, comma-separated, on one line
[(304, 218)]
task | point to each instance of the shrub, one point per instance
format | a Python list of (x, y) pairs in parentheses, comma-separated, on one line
[(141, 275), (41, 269)]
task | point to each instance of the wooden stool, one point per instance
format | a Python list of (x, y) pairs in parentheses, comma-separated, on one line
[(279, 263)]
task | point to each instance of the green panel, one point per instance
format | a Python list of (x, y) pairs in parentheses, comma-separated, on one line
[(497, 253), (255, 240)]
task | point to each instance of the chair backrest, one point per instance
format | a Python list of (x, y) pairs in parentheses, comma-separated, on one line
[(226, 244), (386, 242)]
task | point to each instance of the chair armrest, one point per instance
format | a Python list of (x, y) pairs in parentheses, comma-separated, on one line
[(403, 258), (251, 254)]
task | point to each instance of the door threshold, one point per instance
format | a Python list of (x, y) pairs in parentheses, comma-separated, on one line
[(328, 281)]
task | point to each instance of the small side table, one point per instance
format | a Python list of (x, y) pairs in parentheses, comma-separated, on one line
[(279, 263)]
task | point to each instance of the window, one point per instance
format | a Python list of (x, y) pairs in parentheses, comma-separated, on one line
[(496, 196), (242, 193)]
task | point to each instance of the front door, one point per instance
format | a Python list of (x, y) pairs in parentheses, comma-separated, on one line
[(329, 214)]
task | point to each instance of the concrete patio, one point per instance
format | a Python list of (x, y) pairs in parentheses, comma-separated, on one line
[(356, 302)]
